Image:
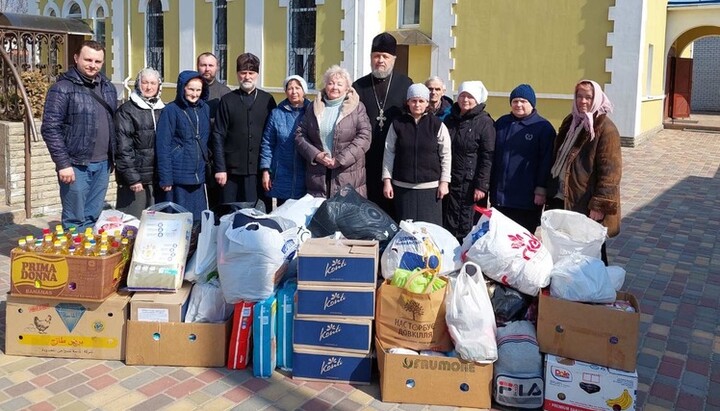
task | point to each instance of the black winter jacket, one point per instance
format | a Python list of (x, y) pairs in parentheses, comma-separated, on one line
[(69, 127), (135, 123), (473, 146)]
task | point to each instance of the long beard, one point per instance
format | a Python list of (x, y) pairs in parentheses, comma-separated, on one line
[(247, 86), (380, 74)]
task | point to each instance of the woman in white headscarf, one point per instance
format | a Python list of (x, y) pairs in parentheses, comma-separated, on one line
[(135, 124), (472, 133), (586, 173)]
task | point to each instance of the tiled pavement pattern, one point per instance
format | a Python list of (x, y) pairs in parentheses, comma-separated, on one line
[(671, 208)]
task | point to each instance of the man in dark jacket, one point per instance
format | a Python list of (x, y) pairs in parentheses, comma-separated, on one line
[(439, 103), (383, 94), (79, 132), (239, 125)]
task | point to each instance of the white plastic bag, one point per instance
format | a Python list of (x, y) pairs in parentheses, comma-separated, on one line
[(565, 232), (617, 276), (511, 255), (161, 248), (448, 245), (207, 305), (114, 220), (581, 278), (411, 248), (469, 316), (204, 261), (299, 211)]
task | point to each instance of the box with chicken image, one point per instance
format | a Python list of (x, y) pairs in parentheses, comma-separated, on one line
[(40, 327), (572, 385)]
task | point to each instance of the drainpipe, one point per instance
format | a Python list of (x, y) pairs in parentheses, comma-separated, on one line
[(29, 123)]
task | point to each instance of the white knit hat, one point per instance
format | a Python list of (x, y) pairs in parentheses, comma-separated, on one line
[(297, 78), (418, 90), (474, 88)]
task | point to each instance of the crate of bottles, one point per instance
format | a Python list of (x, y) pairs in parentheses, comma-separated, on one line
[(84, 267)]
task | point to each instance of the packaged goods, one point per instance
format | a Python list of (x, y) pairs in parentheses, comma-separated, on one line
[(411, 248), (333, 366), (160, 307), (518, 372), (577, 277), (336, 301), (265, 337), (161, 248), (204, 260), (207, 304), (340, 262), (241, 337), (337, 334), (285, 314)]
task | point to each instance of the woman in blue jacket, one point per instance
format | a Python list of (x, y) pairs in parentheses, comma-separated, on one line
[(523, 157), (182, 144), (283, 169)]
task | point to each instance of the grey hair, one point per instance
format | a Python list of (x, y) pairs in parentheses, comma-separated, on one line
[(435, 78), (335, 71), (148, 71)]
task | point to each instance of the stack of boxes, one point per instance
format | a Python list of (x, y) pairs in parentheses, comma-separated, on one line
[(592, 353), (335, 307), (66, 306)]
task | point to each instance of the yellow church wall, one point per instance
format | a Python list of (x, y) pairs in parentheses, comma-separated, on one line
[(655, 36), (136, 45), (171, 34), (419, 59), (328, 38), (651, 112), (235, 38), (204, 13), (276, 50)]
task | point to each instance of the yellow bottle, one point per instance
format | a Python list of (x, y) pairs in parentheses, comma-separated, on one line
[(30, 242), (57, 247), (22, 244), (103, 251), (88, 249), (125, 249), (47, 244), (59, 232)]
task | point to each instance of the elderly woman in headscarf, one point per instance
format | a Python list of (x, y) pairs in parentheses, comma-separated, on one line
[(135, 124), (334, 136), (585, 176), (472, 135)]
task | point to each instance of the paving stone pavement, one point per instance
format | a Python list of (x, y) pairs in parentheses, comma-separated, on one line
[(668, 245)]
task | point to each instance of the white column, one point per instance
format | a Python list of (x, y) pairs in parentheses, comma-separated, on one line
[(441, 61), (627, 42), (254, 22), (33, 7), (360, 24), (186, 20), (118, 43)]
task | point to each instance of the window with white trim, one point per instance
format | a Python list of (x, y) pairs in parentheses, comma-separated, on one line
[(98, 22), (75, 12), (221, 39), (154, 45), (302, 19), (409, 13)]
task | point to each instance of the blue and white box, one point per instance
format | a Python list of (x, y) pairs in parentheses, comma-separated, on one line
[(341, 334), (338, 262), (314, 301), (264, 337), (285, 312), (332, 366)]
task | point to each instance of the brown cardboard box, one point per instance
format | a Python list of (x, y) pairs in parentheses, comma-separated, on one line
[(160, 307), (41, 327), (448, 381), (177, 344), (591, 333), (65, 277)]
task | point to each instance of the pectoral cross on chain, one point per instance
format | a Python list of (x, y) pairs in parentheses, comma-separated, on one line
[(381, 118)]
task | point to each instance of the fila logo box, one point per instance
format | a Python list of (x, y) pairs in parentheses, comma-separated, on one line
[(338, 262)]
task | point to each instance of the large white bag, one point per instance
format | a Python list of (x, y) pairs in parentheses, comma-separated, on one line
[(299, 211), (448, 245), (511, 255), (161, 248), (581, 278), (469, 316), (565, 232), (204, 261), (411, 248), (207, 305)]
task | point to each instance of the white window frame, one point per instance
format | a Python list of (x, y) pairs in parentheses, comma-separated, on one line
[(67, 6), (147, 47), (401, 14)]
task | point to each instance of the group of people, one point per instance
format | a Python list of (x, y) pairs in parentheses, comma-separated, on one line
[(407, 147)]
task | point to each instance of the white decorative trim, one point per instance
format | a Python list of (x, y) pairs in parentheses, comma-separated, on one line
[(94, 5), (34, 7), (51, 6), (118, 41), (254, 24), (360, 24), (186, 37), (142, 5), (441, 61), (67, 5), (627, 42), (653, 98)]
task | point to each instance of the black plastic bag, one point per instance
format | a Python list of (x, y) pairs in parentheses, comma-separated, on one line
[(509, 304), (355, 217)]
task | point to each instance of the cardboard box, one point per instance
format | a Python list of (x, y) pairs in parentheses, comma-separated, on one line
[(578, 386), (592, 333), (416, 379), (65, 277), (41, 327), (339, 262), (332, 366), (319, 301), (177, 344), (337, 334), (160, 307)]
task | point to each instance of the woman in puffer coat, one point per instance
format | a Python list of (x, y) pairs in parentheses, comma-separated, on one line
[(135, 124), (181, 147), (334, 136), (283, 170), (472, 133)]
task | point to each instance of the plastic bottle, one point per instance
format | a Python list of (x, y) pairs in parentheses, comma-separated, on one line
[(125, 249), (88, 234), (72, 250), (47, 244), (30, 242), (38, 245), (103, 251), (59, 232), (114, 247), (88, 249), (57, 247), (22, 244)]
